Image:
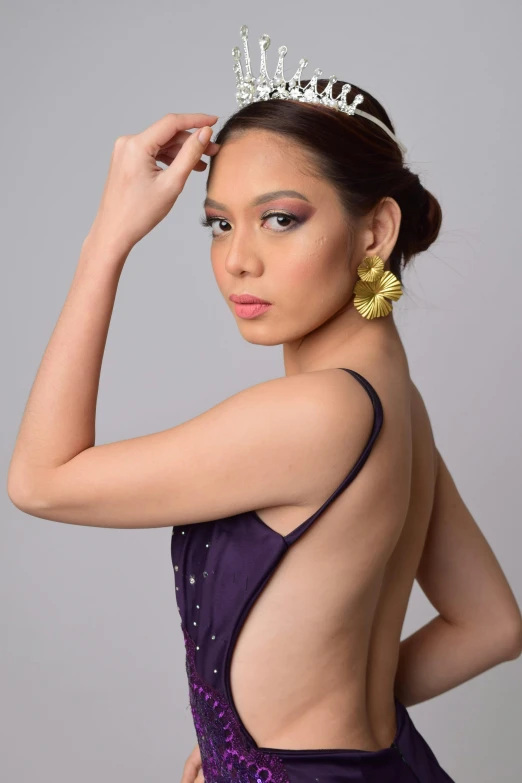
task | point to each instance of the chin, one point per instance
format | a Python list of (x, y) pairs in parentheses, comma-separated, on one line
[(261, 340), (261, 336)]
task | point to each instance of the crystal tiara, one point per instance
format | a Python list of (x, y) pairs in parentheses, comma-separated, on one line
[(250, 90)]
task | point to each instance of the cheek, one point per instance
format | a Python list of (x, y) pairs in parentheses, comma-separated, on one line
[(317, 280), (313, 267), (220, 272)]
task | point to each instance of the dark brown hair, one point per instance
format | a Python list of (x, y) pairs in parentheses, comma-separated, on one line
[(355, 155)]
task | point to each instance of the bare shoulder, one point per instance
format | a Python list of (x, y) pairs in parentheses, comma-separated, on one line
[(272, 444), (331, 398), (314, 418)]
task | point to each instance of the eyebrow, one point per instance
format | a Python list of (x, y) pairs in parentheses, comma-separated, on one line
[(262, 199)]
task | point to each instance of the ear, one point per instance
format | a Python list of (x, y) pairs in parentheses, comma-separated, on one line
[(384, 228)]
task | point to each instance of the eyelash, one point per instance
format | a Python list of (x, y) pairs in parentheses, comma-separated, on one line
[(208, 222)]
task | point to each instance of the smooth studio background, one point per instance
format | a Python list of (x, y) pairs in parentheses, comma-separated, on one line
[(93, 679)]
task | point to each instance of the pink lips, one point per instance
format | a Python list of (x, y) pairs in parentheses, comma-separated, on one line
[(250, 310)]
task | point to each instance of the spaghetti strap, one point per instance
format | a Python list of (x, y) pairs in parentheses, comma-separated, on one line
[(291, 537)]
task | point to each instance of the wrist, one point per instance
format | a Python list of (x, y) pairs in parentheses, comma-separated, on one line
[(107, 252)]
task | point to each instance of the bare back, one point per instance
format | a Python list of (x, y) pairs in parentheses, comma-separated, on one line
[(351, 576)]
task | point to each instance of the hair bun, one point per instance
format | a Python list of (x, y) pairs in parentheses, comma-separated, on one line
[(421, 219)]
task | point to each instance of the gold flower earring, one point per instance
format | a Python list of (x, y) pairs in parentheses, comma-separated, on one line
[(374, 288)]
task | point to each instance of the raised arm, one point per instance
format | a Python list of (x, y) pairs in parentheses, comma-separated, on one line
[(479, 624)]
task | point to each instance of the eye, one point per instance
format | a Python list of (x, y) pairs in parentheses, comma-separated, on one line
[(209, 222), (286, 216)]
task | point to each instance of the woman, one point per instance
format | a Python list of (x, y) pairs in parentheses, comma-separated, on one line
[(303, 508)]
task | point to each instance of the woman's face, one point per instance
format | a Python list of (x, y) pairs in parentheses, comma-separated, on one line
[(292, 249)]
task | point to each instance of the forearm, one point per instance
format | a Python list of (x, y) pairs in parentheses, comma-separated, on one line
[(439, 656), (59, 417)]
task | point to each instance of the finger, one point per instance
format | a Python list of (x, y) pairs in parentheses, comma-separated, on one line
[(172, 147), (201, 165), (176, 175), (160, 132)]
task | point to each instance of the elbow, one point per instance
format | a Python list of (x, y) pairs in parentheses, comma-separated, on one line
[(20, 499), (21, 493), (16, 489), (501, 640), (513, 641), (509, 637)]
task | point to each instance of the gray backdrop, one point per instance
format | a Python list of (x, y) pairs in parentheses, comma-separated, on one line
[(94, 686)]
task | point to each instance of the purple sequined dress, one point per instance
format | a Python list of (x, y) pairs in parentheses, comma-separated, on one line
[(220, 568)]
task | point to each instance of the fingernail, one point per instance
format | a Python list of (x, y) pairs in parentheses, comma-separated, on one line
[(203, 136)]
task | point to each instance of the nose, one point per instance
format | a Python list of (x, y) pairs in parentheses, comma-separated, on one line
[(241, 253)]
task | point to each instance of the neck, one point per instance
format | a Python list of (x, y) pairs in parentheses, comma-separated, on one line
[(346, 336)]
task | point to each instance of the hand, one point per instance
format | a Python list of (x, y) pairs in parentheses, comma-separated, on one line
[(138, 193), (192, 771)]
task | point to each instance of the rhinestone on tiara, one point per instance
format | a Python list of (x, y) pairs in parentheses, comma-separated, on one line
[(264, 88)]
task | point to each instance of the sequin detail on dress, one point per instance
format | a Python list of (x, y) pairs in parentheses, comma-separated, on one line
[(226, 756)]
